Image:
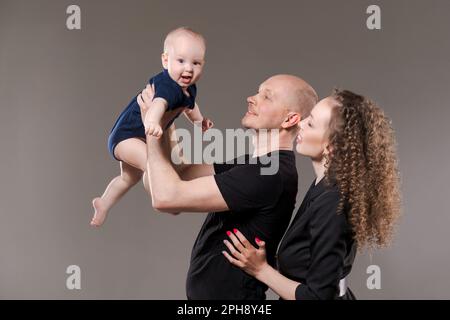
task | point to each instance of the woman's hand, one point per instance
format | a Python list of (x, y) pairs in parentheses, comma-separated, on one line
[(244, 255), (253, 261)]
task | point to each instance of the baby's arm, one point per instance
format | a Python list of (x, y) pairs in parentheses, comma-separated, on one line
[(153, 117), (195, 116)]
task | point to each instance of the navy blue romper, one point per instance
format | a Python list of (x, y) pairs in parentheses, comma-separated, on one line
[(129, 123)]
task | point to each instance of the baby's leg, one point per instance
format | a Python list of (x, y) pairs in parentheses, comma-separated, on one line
[(133, 154)]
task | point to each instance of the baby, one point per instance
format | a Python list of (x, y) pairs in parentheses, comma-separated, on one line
[(175, 92)]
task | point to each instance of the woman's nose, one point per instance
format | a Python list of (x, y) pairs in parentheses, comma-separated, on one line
[(301, 124)]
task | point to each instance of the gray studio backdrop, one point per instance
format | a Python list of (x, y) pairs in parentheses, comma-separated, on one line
[(61, 90)]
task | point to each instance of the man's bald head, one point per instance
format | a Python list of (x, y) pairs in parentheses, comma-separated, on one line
[(281, 102), (298, 96)]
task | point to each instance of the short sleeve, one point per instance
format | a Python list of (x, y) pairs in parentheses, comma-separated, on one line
[(193, 93), (222, 167), (190, 101), (166, 90), (328, 248), (244, 188), (225, 166)]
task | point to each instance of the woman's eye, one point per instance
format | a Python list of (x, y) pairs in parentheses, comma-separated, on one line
[(309, 124)]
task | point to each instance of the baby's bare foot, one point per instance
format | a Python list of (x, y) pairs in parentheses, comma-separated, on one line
[(100, 212)]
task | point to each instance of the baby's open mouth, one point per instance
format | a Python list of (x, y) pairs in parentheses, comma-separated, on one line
[(186, 78)]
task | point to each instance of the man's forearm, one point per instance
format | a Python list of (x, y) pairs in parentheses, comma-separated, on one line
[(186, 170), (173, 195), (174, 150), (164, 179)]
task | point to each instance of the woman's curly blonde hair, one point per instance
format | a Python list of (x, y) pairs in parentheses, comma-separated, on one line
[(363, 163)]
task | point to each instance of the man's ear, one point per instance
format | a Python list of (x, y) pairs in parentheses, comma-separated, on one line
[(292, 119), (164, 60)]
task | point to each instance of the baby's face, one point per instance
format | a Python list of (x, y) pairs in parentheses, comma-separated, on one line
[(184, 60)]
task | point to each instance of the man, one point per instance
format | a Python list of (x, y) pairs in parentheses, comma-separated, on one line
[(235, 195)]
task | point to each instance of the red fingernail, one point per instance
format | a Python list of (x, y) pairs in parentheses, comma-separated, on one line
[(228, 233), (235, 230), (257, 239)]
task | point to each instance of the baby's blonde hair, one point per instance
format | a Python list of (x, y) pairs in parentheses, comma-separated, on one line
[(181, 30)]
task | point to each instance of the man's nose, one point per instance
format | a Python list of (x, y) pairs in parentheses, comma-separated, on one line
[(251, 100)]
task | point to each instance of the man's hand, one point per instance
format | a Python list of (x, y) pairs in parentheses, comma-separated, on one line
[(154, 114), (144, 99)]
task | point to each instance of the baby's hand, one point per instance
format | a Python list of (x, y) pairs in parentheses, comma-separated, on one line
[(206, 124), (153, 128)]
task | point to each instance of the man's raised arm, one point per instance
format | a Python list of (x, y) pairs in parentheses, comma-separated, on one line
[(186, 171), (170, 193)]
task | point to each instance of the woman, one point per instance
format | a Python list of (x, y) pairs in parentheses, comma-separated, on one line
[(352, 204)]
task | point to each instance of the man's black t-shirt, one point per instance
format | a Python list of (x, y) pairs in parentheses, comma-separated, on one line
[(260, 206)]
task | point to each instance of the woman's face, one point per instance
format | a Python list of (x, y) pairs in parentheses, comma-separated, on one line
[(312, 139)]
